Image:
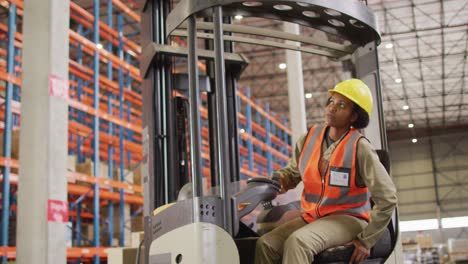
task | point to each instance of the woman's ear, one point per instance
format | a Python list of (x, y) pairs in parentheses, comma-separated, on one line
[(354, 117)]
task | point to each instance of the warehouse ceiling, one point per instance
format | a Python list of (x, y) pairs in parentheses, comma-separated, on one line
[(422, 59), (422, 65)]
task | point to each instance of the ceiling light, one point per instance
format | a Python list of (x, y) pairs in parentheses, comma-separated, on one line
[(414, 140), (99, 46), (410, 125), (238, 17), (398, 80), (405, 107), (282, 66), (308, 95), (389, 45)]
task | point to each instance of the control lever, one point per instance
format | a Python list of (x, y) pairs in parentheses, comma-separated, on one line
[(258, 190)]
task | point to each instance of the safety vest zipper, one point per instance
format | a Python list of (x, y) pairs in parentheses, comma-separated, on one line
[(321, 196)]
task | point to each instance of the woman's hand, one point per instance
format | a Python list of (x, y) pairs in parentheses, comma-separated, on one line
[(360, 253), (287, 183), (282, 190)]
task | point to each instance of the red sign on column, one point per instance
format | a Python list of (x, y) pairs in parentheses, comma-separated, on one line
[(57, 211), (58, 87)]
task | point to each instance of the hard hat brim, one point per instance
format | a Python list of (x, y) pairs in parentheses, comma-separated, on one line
[(331, 91)]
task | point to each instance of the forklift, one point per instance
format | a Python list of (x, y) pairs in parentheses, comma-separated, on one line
[(187, 220)]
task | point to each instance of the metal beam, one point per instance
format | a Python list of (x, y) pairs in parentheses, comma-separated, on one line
[(398, 66), (404, 214), (276, 34), (442, 39), (412, 189), (271, 75), (422, 132), (462, 90), (261, 42), (424, 58), (401, 6), (447, 201)]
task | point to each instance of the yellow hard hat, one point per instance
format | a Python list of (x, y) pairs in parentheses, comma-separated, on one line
[(356, 91)]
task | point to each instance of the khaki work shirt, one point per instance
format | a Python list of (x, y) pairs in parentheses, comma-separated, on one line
[(370, 173)]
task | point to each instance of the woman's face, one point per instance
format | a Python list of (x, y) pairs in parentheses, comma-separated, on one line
[(340, 112)]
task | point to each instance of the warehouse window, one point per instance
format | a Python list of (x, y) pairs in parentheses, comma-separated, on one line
[(453, 222), (418, 225), (431, 224)]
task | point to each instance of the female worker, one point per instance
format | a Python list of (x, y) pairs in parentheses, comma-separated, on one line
[(340, 170)]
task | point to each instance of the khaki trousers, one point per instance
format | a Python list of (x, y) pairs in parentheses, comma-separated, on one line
[(296, 242)]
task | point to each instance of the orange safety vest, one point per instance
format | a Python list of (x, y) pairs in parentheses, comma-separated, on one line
[(336, 192)]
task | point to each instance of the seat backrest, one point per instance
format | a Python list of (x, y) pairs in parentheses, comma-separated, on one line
[(384, 159)]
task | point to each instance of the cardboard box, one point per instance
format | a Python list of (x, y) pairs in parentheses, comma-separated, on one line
[(137, 176), (128, 177), (457, 245), (87, 233), (105, 221), (71, 163), (87, 168), (138, 223), (459, 257), (424, 240), (105, 239), (15, 136), (137, 237)]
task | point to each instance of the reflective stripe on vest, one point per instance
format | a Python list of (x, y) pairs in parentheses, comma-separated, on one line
[(324, 196), (307, 149), (343, 199)]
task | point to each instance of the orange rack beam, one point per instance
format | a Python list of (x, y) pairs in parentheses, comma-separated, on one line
[(86, 19), (75, 176), (265, 114), (72, 253)]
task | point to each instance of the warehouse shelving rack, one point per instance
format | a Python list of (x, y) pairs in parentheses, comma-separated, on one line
[(105, 121)]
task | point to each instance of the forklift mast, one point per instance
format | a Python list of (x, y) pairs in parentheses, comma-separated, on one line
[(171, 114)]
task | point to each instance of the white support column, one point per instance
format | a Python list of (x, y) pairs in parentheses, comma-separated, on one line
[(297, 111), (42, 193)]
